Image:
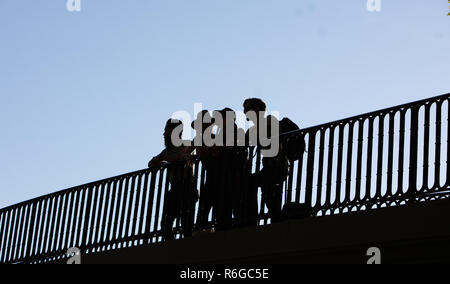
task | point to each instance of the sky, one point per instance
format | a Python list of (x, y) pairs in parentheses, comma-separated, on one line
[(85, 95)]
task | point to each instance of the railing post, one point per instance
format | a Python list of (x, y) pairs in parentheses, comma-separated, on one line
[(413, 153), (310, 168), (348, 174), (437, 168), (85, 230), (27, 252), (359, 159), (390, 164), (5, 226)]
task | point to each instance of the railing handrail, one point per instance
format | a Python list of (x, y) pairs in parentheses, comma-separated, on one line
[(303, 130), (86, 185), (368, 114)]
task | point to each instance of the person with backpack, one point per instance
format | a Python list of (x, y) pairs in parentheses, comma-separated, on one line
[(275, 169)]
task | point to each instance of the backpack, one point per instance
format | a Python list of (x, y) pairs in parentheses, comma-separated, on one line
[(294, 145), (293, 210)]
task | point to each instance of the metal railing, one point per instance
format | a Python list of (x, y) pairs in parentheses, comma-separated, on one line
[(385, 158)]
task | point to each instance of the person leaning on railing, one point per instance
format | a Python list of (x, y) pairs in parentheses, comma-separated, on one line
[(182, 196)]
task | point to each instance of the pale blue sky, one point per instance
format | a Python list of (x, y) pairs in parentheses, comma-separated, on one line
[(84, 96)]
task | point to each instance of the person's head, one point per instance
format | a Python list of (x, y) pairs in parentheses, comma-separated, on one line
[(203, 121), (224, 116), (171, 125), (253, 107)]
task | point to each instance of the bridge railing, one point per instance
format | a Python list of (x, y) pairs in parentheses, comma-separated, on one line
[(384, 158)]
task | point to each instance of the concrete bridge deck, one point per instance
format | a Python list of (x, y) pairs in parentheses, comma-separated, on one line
[(417, 233)]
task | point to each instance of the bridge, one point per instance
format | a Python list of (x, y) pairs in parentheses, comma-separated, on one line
[(381, 178)]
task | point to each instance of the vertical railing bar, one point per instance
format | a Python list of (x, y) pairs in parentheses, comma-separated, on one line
[(57, 201), (19, 225), (348, 174), (47, 225), (401, 150), (97, 215), (201, 214), (151, 196), (40, 240), (339, 164), (380, 155), (288, 196), (39, 205), (16, 235), (413, 153), (310, 168), (130, 207), (195, 177), (447, 184), (426, 147), (116, 228), (102, 211), (61, 222), (158, 200), (79, 216), (359, 159), (124, 208), (262, 203), (369, 159), (390, 166), (2, 233), (164, 200), (299, 177), (8, 233), (24, 223), (141, 227), (15, 243), (320, 170), (71, 219), (103, 215), (330, 166), (11, 246), (93, 213), (109, 228), (31, 231), (6, 236), (180, 171), (437, 172), (86, 229), (136, 206)]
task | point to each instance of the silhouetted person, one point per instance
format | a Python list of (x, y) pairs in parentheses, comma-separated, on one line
[(203, 128), (182, 196), (275, 169), (230, 161)]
